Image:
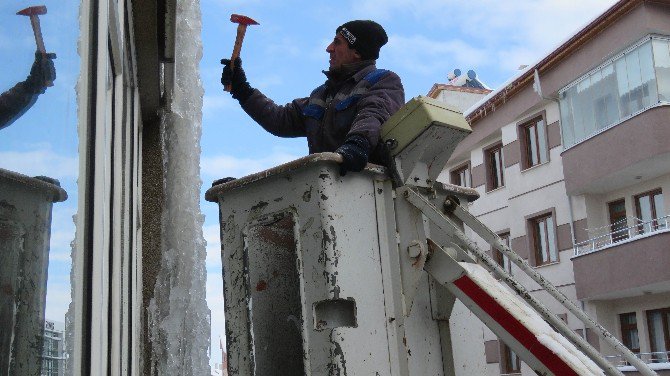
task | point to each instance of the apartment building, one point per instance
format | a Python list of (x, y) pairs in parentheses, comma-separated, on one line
[(572, 162), (53, 352)]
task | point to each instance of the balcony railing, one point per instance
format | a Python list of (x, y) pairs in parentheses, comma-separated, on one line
[(639, 230), (660, 359)]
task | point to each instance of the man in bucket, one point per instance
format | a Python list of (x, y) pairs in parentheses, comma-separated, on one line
[(345, 114)]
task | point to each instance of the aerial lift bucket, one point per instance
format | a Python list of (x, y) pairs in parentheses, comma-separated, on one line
[(325, 274)]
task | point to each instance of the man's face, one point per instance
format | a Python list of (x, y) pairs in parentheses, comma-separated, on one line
[(340, 53)]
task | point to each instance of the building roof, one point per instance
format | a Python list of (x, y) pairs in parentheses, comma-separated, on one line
[(514, 85), (437, 88), (466, 83)]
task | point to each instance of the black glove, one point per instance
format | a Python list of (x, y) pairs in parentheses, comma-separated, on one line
[(41, 73), (354, 153), (239, 87)]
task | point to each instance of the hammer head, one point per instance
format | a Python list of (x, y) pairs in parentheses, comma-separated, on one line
[(242, 20), (37, 10)]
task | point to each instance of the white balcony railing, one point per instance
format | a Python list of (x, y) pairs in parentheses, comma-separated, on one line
[(659, 359), (641, 229)]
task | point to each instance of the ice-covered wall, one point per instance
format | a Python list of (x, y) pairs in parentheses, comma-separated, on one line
[(178, 314)]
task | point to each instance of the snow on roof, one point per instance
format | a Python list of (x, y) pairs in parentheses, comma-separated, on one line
[(558, 47)]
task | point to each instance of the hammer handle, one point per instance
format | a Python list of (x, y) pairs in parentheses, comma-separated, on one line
[(37, 30), (241, 30)]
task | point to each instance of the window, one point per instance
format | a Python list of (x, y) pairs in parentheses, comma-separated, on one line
[(659, 334), (649, 208), (510, 361), (500, 257), (631, 82), (494, 167), (544, 239), (618, 222), (461, 176), (533, 136), (629, 333)]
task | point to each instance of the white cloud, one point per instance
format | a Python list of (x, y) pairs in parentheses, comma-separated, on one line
[(58, 299), (216, 305), (428, 56), (228, 165), (40, 162), (479, 33), (213, 104), (211, 234)]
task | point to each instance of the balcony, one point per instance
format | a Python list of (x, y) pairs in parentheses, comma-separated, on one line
[(640, 230), (629, 262), (657, 361)]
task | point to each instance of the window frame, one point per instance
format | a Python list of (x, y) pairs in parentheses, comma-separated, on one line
[(455, 174), (507, 365), (523, 134), (492, 182), (500, 257), (654, 212), (624, 235), (534, 254), (665, 312), (565, 105), (627, 328)]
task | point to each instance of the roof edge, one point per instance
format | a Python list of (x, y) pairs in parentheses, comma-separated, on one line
[(584, 35)]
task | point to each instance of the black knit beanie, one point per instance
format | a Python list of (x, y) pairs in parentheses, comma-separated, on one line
[(365, 36)]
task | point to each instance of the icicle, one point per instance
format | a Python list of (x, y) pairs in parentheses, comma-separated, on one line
[(179, 320)]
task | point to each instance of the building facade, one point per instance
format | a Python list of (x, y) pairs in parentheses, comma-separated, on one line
[(53, 352), (572, 163)]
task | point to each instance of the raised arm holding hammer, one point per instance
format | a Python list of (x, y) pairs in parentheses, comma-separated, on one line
[(17, 100), (343, 115)]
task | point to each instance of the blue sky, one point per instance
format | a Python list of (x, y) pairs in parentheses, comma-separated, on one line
[(283, 57)]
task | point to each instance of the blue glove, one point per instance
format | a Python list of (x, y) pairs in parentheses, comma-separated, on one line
[(354, 153)]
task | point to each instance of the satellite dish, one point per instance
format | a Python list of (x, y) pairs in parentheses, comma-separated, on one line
[(471, 74), (457, 72)]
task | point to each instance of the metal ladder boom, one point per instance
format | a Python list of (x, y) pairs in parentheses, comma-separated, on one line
[(446, 224)]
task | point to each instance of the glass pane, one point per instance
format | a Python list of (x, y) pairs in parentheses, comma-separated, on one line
[(644, 205), (605, 107), (657, 337), (645, 208), (658, 205), (507, 264), (567, 123), (633, 339), (542, 242), (516, 361), (542, 137), (660, 211), (662, 65), (551, 239), (622, 83), (531, 134), (635, 93), (583, 108), (649, 89), (497, 168)]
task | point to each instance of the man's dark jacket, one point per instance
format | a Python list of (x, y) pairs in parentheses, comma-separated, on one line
[(15, 101), (357, 104)]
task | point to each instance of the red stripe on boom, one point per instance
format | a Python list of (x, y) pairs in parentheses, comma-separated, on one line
[(505, 319)]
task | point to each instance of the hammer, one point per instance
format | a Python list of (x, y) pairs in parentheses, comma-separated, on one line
[(242, 23), (34, 13)]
